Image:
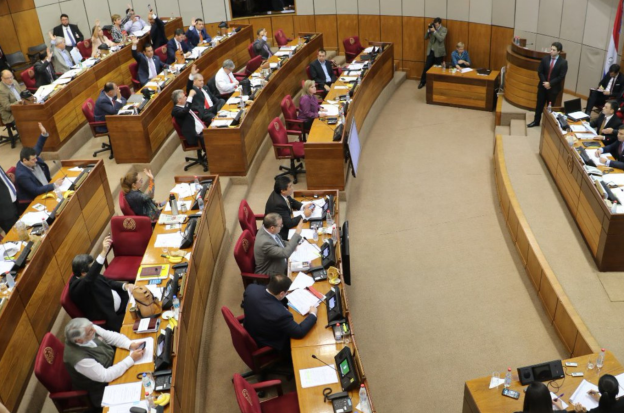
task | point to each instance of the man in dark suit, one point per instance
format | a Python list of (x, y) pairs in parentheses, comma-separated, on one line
[(261, 46), (44, 72), (610, 87), (607, 124), (321, 70), (270, 251), (191, 125), (149, 66), (8, 202), (616, 149), (197, 34), (204, 103), (32, 173), (551, 71), (177, 43), (70, 32), (109, 102), (268, 320), (281, 202), (95, 295), (157, 31)]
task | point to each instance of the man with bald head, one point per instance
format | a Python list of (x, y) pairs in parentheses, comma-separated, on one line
[(205, 103), (9, 94), (108, 103)]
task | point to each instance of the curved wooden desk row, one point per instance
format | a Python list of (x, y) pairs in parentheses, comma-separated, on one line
[(62, 114), (195, 290), (320, 340), (34, 303), (569, 326), (603, 231), (325, 159), (521, 80), (232, 150), (136, 139)]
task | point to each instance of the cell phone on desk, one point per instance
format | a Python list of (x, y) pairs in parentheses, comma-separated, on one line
[(142, 345), (511, 393)]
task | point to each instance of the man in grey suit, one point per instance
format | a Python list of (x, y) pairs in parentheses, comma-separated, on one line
[(61, 58), (270, 251), (436, 33)]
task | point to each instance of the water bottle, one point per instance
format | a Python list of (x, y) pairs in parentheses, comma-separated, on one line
[(443, 66), (549, 107), (174, 204), (508, 378), (148, 384), (315, 236), (197, 185), (329, 219), (149, 399), (200, 202), (45, 226), (338, 332), (364, 406), (600, 360), (176, 307)]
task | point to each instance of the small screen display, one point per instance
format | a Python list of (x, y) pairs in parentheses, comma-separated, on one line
[(332, 302), (161, 347), (344, 367)]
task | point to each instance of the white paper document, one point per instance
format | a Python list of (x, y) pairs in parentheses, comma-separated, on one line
[(122, 394), (331, 110), (76, 55), (148, 355), (356, 66), (168, 240), (578, 115), (553, 396), (32, 218), (183, 190), (496, 381), (198, 51), (617, 179), (217, 123), (166, 219), (75, 169), (302, 280), (125, 408), (288, 48), (67, 182), (585, 135), (301, 300), (282, 53), (318, 376), (6, 266), (305, 252), (582, 396), (43, 92), (9, 249), (348, 78), (309, 233), (620, 379), (581, 128), (62, 81), (341, 87), (89, 62), (465, 70)]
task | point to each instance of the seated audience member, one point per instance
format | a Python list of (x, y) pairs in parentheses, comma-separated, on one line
[(607, 124), (95, 295), (197, 34), (270, 251), (109, 102), (32, 173), (267, 319), (460, 57), (8, 201), (616, 149), (204, 103), (10, 92), (608, 389), (177, 45), (149, 66), (321, 70), (537, 399), (117, 30), (62, 59), (44, 72), (98, 39), (141, 202), (610, 87), (70, 32), (89, 354), (157, 31), (191, 125), (224, 79), (134, 23), (261, 46), (281, 202), (309, 105)]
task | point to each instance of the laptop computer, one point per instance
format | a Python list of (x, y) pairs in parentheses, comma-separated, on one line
[(573, 110)]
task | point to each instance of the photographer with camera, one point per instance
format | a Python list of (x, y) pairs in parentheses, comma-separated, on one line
[(436, 33)]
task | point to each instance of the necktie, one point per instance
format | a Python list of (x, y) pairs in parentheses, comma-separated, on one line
[(267, 49), (9, 184), (201, 37), (71, 36), (50, 73), (178, 44), (552, 64), (604, 122), (15, 93), (206, 102), (278, 239), (230, 78), (620, 150), (152, 68)]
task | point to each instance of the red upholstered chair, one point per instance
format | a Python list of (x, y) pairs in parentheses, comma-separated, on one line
[(28, 76), (107, 33), (352, 47), (72, 310), (186, 147), (51, 372), (289, 110), (258, 359), (249, 402), (247, 219), (161, 52), (88, 109), (281, 38), (85, 48), (124, 206), (244, 256), (287, 150), (252, 66), (125, 91), (23, 204), (134, 74), (130, 238), (252, 52)]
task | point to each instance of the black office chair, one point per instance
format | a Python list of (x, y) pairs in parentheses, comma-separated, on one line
[(33, 52), (212, 87), (17, 61), (11, 131)]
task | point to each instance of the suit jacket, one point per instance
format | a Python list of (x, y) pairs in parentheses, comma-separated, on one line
[(8, 208), (316, 71), (199, 102), (157, 33), (58, 31), (143, 68), (186, 122), (92, 295), (618, 86), (269, 322), (614, 123), (172, 48), (60, 66), (192, 36), (436, 42), (27, 184), (613, 149), (276, 203), (272, 258), (7, 98), (558, 73), (103, 107), (42, 75), (259, 48)]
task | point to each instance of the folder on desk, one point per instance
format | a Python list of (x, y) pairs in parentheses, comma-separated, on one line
[(150, 272)]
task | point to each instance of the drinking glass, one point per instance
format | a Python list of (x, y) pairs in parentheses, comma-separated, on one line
[(590, 364)]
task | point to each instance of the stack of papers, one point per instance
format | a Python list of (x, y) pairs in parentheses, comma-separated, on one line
[(305, 252), (218, 123), (465, 70), (165, 219), (355, 66), (582, 396), (67, 182), (282, 53), (183, 190), (141, 32), (332, 110), (70, 74), (44, 91), (288, 48), (578, 115), (302, 280), (89, 62), (62, 81), (301, 300), (32, 218), (121, 394)]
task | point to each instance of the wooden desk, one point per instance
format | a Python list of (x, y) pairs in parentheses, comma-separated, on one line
[(602, 230), (34, 303), (479, 398), (231, 150), (62, 113), (136, 139), (521, 79), (195, 290), (325, 159), (463, 90)]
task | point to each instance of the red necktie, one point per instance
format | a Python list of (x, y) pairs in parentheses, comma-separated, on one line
[(229, 77), (552, 64), (206, 104)]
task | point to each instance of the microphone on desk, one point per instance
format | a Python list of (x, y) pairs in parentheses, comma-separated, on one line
[(328, 365)]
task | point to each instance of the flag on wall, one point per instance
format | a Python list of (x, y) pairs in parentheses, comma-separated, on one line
[(612, 51)]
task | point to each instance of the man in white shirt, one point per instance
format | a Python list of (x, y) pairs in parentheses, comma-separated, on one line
[(89, 353), (61, 58), (225, 81), (134, 23), (205, 104)]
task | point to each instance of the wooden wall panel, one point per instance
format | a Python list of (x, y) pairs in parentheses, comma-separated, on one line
[(370, 29), (391, 30), (29, 30), (457, 32), (501, 37), (347, 27), (261, 23), (8, 40), (413, 39), (327, 25), (479, 36), (304, 24), (413, 69), (4, 9), (286, 23), (22, 5)]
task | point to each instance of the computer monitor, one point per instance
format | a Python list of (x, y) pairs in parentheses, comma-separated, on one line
[(334, 305), (347, 370), (237, 118), (353, 144), (346, 257), (571, 106)]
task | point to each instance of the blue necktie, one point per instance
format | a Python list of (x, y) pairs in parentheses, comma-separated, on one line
[(8, 182)]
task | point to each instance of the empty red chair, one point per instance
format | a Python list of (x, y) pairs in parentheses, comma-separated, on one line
[(247, 219), (131, 235), (96, 127), (252, 52), (51, 372), (287, 150), (72, 310), (85, 49), (134, 74), (281, 38), (107, 33), (28, 76), (161, 52), (125, 91), (352, 47), (249, 402), (244, 256), (186, 147), (124, 205)]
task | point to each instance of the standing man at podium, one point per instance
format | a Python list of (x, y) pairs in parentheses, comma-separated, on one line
[(551, 71)]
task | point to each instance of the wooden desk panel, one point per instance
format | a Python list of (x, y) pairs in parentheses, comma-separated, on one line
[(463, 90)]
